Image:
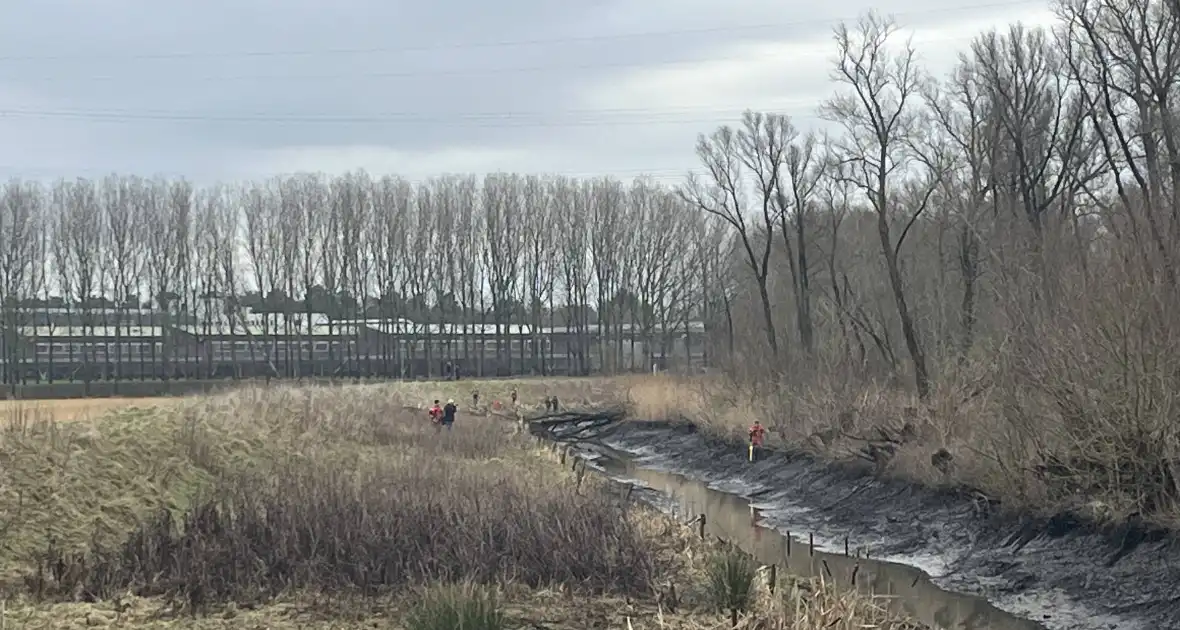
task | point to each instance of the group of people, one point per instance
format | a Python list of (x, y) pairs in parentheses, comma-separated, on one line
[(444, 416)]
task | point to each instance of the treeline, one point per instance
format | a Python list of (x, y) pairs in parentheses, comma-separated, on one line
[(631, 259), (1022, 212), (989, 257)]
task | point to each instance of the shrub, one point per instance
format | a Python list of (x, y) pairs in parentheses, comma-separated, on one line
[(731, 574), (373, 502), (456, 607)]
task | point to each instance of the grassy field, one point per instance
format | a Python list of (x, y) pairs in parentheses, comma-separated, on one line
[(1092, 464), (342, 507), (70, 410)]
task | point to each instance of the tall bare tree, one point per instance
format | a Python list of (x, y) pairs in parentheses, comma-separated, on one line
[(540, 258), (726, 154), (502, 206), (607, 208), (78, 257), (1041, 117), (878, 110), (264, 253), (796, 207), (965, 120), (573, 236), (467, 245), (22, 249), (1124, 56), (353, 207)]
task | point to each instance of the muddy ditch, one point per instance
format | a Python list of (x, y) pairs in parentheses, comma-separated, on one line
[(1053, 573)]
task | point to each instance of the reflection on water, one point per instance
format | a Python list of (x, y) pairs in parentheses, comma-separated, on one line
[(732, 518)]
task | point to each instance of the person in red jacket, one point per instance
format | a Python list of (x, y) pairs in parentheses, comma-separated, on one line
[(436, 413), (757, 434)]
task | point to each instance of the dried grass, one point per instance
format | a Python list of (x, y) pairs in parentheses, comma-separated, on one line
[(1109, 459), (292, 507)]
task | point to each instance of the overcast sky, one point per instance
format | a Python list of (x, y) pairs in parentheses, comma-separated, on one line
[(222, 90)]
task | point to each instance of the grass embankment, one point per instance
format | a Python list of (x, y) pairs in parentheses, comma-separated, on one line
[(339, 507), (1096, 463)]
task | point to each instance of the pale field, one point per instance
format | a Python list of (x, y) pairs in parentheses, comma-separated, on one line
[(531, 392), (73, 409)]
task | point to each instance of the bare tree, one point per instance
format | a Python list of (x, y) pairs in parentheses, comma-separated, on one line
[(124, 252), (1042, 119), (673, 274), (878, 111), (623, 301), (293, 245), (574, 200), (352, 210), (835, 191), (1124, 56), (965, 120), (662, 226), (715, 249), (606, 214), (796, 206), (540, 258), (228, 281), (182, 202), (467, 243), (78, 257), (392, 236), (22, 250), (263, 250), (501, 256), (422, 259), (725, 154)]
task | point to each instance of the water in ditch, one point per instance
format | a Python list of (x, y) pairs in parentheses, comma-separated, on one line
[(734, 519)]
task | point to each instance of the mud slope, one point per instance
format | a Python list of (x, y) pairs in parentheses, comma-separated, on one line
[(1043, 568)]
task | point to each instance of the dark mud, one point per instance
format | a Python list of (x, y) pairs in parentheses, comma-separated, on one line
[(731, 518), (1059, 572)]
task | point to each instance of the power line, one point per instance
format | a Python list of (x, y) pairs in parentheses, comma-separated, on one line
[(583, 118), (429, 72), (500, 44)]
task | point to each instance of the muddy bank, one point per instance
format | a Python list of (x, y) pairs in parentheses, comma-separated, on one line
[(1059, 572), (900, 587)]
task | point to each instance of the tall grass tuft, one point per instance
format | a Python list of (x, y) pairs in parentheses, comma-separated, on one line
[(731, 574), (463, 606)]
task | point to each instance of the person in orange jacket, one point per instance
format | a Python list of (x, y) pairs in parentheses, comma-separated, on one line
[(757, 434), (436, 413)]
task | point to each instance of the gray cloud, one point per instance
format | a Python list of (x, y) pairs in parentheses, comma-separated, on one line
[(130, 86)]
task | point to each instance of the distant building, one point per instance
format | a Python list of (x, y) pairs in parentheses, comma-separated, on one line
[(214, 341)]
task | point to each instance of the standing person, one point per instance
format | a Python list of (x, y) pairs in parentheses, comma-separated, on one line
[(514, 396), (474, 398), (448, 413), (436, 413), (757, 435)]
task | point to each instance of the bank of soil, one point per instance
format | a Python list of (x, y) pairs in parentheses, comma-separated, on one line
[(1060, 571)]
